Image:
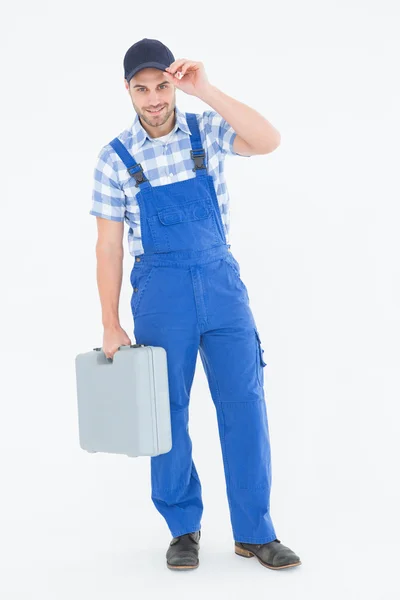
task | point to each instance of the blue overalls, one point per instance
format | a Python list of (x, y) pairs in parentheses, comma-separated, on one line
[(188, 296)]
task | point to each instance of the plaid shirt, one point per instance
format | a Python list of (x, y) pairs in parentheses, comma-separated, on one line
[(114, 191)]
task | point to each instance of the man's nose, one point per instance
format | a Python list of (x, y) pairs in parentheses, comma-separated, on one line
[(155, 100)]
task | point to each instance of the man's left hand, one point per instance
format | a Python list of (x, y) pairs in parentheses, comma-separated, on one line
[(194, 79)]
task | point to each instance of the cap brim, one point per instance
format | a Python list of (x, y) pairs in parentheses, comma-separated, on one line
[(154, 65)]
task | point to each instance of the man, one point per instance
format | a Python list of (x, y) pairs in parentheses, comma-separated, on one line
[(164, 177)]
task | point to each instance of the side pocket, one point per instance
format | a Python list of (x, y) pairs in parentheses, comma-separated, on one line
[(234, 265), (139, 281), (260, 363)]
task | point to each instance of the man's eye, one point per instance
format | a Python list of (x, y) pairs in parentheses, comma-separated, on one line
[(162, 85)]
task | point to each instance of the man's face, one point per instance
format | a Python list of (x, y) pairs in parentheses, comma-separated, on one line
[(150, 91)]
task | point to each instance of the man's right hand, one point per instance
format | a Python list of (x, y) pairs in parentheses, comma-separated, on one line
[(113, 338)]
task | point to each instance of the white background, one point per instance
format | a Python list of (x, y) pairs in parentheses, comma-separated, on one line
[(315, 227)]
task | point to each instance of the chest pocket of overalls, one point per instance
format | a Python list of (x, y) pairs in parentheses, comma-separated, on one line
[(184, 226)]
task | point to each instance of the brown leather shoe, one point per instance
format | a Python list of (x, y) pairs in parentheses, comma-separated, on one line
[(273, 555), (183, 551)]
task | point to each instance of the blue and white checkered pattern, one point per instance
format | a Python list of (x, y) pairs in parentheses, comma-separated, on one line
[(114, 191)]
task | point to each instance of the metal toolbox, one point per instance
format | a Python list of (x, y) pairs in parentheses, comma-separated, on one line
[(123, 403)]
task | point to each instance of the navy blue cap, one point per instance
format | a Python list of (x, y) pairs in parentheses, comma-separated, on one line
[(146, 53)]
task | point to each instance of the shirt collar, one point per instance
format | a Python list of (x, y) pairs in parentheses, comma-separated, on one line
[(140, 134)]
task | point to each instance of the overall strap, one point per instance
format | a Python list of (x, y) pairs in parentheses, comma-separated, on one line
[(197, 152), (134, 169)]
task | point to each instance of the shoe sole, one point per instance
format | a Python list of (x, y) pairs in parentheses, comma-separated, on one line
[(182, 566), (247, 554)]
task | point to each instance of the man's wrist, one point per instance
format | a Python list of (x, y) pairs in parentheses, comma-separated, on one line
[(111, 324), (208, 93)]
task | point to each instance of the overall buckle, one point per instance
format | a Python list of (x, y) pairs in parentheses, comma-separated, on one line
[(198, 157), (139, 176)]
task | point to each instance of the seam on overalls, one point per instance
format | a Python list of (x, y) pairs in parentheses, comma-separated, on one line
[(217, 210), (204, 294), (178, 409), (253, 488), (258, 358), (234, 402), (232, 266), (220, 404), (260, 361), (180, 263), (146, 281), (156, 240), (254, 540), (237, 274), (188, 529), (187, 407), (174, 489)]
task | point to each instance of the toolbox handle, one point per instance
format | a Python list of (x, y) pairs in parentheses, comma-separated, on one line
[(110, 360), (123, 346)]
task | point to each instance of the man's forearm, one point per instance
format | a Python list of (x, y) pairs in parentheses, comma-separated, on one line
[(109, 280), (249, 124)]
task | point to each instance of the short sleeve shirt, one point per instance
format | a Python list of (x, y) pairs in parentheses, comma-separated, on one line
[(164, 161)]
